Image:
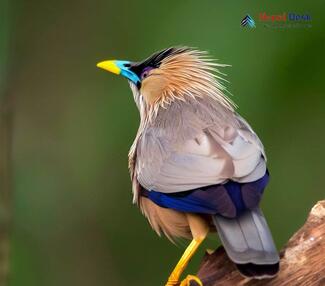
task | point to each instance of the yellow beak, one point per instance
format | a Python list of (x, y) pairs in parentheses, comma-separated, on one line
[(110, 66)]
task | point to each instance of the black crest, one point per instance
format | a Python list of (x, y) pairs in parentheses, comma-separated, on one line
[(155, 60)]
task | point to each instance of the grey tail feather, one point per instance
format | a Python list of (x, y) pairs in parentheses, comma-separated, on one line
[(249, 243)]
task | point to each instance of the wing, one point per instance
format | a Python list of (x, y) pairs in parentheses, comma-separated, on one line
[(245, 149), (198, 151)]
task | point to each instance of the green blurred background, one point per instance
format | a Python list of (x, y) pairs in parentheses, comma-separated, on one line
[(73, 221)]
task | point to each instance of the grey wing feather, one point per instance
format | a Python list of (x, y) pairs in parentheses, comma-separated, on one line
[(192, 145), (246, 131), (247, 239)]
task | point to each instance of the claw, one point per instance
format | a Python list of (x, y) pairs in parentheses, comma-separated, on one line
[(191, 278)]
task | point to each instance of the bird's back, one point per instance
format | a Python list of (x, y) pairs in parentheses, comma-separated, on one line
[(197, 143)]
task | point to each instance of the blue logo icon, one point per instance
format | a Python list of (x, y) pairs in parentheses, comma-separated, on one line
[(248, 21)]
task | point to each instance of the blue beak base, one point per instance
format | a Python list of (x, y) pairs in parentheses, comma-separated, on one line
[(126, 72)]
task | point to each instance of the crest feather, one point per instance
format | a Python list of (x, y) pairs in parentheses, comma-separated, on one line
[(191, 72)]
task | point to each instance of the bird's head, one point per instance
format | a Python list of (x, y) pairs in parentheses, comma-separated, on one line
[(171, 74)]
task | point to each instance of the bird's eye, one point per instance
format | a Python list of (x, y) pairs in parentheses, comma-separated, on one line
[(145, 72)]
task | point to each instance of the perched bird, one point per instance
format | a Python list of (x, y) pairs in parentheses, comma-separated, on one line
[(196, 165)]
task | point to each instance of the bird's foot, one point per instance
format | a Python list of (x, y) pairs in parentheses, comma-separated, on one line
[(191, 280)]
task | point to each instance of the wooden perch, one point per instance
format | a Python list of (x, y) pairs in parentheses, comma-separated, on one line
[(302, 259)]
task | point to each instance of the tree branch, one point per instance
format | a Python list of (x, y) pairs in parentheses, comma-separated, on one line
[(302, 259)]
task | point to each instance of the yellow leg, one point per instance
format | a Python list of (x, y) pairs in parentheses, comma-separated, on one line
[(181, 265), (199, 231)]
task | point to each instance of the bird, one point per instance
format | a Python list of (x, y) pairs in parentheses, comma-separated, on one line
[(196, 165)]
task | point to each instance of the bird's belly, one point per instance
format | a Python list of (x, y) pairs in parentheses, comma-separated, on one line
[(171, 222)]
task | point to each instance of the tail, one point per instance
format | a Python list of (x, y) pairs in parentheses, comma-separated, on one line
[(249, 244)]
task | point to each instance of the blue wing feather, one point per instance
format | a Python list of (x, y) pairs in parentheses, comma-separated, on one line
[(229, 199)]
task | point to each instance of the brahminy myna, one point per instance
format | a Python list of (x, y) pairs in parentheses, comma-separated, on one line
[(196, 165)]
